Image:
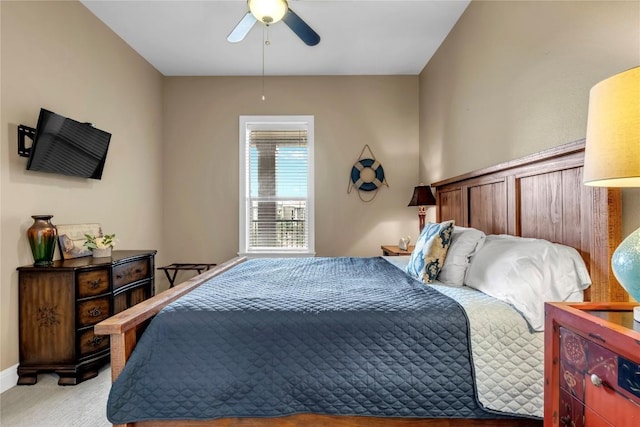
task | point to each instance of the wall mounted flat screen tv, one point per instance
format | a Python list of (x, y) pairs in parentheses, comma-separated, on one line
[(65, 146)]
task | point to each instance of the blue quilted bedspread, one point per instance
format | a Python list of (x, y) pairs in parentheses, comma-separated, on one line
[(273, 337)]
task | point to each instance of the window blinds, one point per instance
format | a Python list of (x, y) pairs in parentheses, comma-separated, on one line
[(277, 164)]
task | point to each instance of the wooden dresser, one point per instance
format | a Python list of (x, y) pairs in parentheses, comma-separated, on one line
[(60, 304), (592, 365)]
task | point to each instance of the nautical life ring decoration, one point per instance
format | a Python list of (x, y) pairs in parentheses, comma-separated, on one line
[(367, 175)]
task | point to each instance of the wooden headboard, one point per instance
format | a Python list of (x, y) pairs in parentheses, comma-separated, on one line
[(542, 196)]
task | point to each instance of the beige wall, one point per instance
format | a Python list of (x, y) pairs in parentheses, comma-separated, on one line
[(57, 55), (513, 78), (182, 199), (201, 158)]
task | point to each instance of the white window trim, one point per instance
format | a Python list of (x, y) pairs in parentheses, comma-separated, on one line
[(276, 123)]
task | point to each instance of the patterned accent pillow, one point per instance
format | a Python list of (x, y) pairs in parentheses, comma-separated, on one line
[(430, 252)]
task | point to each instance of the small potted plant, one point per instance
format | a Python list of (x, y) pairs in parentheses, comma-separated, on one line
[(100, 246)]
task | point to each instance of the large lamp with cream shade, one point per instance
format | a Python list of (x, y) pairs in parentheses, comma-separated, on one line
[(612, 159)]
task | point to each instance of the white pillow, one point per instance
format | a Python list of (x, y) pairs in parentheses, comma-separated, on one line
[(464, 243), (526, 273)]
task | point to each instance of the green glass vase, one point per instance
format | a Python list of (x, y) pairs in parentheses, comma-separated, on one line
[(42, 239)]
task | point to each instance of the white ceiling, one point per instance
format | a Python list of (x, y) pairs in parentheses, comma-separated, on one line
[(358, 37)]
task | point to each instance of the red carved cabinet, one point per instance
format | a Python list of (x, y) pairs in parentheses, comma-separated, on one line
[(592, 365), (60, 304)]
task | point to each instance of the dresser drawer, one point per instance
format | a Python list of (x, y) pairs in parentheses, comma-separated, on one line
[(89, 342), (131, 296), (93, 311), (93, 282), (130, 272)]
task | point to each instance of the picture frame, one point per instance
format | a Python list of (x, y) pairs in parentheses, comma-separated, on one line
[(71, 239)]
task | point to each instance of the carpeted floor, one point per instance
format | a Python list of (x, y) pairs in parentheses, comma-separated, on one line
[(46, 404)]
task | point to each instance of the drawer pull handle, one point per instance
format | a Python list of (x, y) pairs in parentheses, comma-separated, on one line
[(118, 276), (95, 312), (596, 380), (94, 284), (95, 341)]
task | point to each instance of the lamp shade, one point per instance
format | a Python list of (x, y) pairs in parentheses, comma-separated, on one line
[(422, 196), (268, 11), (612, 159), (612, 153)]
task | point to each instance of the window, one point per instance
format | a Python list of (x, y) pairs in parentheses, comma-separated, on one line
[(276, 185)]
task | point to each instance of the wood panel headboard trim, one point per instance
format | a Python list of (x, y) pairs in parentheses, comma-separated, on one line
[(542, 196)]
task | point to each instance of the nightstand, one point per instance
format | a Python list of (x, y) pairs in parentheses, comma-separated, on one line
[(394, 250), (591, 365)]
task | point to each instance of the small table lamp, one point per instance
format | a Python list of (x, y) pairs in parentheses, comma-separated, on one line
[(612, 159), (422, 197)]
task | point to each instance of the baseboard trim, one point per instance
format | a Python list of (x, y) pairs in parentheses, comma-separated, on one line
[(8, 378)]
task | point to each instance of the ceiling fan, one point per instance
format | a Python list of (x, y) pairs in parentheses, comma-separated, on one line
[(269, 12)]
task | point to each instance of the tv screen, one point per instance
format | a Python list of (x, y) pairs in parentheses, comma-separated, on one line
[(65, 146)]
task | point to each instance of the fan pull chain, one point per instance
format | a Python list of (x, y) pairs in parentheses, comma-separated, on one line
[(265, 42)]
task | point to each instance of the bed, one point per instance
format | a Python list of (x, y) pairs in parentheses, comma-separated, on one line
[(539, 196)]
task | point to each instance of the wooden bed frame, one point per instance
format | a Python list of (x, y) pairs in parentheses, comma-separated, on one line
[(540, 195)]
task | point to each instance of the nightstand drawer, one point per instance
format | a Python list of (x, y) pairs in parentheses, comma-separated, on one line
[(591, 374), (604, 369), (629, 378), (610, 405), (592, 358), (573, 413)]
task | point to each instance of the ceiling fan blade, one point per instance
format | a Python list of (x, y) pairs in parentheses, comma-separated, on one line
[(301, 28), (242, 29)]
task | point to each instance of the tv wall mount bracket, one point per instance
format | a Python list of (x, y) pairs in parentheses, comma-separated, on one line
[(23, 133)]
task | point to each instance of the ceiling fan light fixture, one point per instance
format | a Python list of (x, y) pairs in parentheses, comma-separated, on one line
[(268, 11)]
